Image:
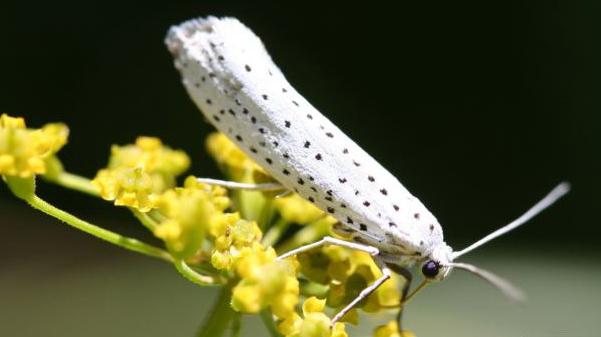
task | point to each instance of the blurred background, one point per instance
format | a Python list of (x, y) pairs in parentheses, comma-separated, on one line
[(478, 107)]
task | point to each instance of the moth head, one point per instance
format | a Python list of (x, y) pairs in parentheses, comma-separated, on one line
[(440, 261), (437, 266)]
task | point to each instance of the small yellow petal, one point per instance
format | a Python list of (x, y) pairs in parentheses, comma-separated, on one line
[(315, 325), (391, 329), (247, 299), (313, 304), (339, 330), (9, 122), (290, 325)]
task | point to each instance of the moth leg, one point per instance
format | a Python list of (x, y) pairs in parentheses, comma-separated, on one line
[(373, 251), (386, 273), (328, 240), (242, 186)]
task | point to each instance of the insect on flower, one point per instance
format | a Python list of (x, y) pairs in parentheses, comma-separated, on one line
[(232, 79)]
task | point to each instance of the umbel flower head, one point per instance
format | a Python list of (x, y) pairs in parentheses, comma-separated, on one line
[(189, 211), (24, 152), (151, 155), (210, 237), (138, 173), (265, 282), (313, 323)]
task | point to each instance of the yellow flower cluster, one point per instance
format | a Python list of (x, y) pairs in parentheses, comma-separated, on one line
[(24, 152), (268, 283), (235, 163), (264, 281), (138, 173), (314, 323), (193, 223), (234, 237), (189, 211), (298, 210), (152, 156), (348, 272), (130, 187)]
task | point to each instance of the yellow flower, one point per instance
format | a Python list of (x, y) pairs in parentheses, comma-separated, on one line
[(233, 237), (9, 122), (138, 173), (298, 210), (150, 154), (189, 213), (53, 137), (265, 282), (218, 194), (391, 330), (348, 272), (236, 164), (24, 152), (313, 324), (130, 187)]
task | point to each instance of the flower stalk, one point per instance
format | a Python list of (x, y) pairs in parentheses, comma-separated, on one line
[(220, 315), (98, 232)]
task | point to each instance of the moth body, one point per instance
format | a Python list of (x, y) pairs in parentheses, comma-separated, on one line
[(232, 79)]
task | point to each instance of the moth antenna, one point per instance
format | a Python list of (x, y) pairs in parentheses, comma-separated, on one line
[(558, 192), (508, 289)]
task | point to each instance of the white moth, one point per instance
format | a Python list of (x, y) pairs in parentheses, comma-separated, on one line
[(232, 79)]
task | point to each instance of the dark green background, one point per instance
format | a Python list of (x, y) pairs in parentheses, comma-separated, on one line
[(478, 107)]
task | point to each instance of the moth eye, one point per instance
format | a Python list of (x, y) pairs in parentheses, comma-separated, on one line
[(430, 269)]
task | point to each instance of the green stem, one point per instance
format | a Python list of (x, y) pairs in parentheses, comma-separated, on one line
[(75, 182), (275, 232), (156, 216), (220, 315), (101, 233), (236, 325), (267, 319), (267, 212), (145, 219), (192, 276)]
